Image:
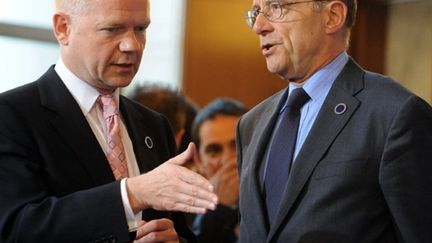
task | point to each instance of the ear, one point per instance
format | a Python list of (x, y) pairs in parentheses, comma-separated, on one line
[(337, 14), (62, 30)]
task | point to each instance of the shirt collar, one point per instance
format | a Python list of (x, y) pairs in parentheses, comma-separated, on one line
[(319, 84), (85, 94)]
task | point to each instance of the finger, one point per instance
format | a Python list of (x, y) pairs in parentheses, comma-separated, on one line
[(195, 197), (231, 172), (182, 196), (231, 163), (141, 223), (195, 179), (153, 226), (225, 173), (159, 230), (158, 236), (227, 169), (188, 208), (185, 156)]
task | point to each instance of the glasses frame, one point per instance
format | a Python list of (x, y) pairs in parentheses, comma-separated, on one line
[(251, 15)]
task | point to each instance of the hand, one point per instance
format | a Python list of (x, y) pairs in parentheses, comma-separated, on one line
[(158, 230), (226, 183), (172, 187)]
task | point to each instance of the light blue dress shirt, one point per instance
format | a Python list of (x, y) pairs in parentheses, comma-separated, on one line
[(317, 87)]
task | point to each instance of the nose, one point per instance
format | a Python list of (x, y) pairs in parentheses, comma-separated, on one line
[(262, 25), (130, 42)]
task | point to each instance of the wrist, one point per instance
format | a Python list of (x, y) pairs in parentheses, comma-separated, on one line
[(133, 200)]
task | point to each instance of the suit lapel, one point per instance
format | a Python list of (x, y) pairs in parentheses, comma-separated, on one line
[(146, 153), (66, 117), (254, 192), (146, 156), (326, 127)]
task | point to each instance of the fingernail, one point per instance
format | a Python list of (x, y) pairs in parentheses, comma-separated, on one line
[(212, 206)]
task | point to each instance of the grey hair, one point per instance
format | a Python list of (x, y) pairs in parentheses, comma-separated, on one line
[(72, 7), (351, 16)]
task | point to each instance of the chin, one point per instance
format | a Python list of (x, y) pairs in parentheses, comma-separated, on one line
[(273, 68), (124, 84), (120, 82)]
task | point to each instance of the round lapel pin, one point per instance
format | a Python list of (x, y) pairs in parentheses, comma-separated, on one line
[(340, 109), (149, 142)]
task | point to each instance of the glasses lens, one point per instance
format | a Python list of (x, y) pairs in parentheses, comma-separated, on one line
[(273, 11), (250, 17)]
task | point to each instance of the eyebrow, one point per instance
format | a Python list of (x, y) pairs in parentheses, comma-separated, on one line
[(272, 1), (257, 6)]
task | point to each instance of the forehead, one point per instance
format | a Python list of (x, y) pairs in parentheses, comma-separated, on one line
[(221, 127), (264, 2)]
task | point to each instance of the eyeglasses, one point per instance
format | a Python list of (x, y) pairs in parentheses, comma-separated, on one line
[(272, 11)]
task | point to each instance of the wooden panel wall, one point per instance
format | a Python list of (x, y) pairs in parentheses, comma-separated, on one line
[(222, 55), (368, 38), (223, 58)]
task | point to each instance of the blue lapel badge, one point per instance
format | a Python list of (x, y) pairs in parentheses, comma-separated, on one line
[(340, 109)]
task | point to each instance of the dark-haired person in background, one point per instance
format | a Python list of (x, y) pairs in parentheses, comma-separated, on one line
[(213, 132), (342, 154), (175, 106), (170, 102)]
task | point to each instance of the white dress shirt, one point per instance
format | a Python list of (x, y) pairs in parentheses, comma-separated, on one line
[(86, 96)]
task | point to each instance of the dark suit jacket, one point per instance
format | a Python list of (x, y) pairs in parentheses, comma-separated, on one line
[(55, 182), (218, 226), (361, 176)]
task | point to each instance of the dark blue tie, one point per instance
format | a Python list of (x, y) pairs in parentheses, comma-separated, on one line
[(281, 150)]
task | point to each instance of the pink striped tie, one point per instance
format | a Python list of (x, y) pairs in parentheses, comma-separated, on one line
[(116, 155)]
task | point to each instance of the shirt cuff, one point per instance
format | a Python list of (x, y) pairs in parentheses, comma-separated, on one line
[(132, 219)]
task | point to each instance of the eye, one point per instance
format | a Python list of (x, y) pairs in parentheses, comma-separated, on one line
[(253, 13), (274, 6), (111, 29), (213, 150), (140, 28)]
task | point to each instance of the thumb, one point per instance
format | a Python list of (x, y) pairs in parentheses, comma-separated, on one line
[(185, 156)]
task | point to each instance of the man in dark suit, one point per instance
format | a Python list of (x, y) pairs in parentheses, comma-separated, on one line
[(361, 165), (57, 179)]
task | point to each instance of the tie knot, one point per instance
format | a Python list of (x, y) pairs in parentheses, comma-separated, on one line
[(297, 98), (108, 105)]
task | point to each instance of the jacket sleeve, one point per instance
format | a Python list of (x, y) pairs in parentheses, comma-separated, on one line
[(405, 173)]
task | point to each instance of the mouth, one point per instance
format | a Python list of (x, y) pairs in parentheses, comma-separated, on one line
[(266, 48), (125, 67)]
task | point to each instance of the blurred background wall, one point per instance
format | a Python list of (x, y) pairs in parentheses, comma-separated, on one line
[(205, 48), (409, 46)]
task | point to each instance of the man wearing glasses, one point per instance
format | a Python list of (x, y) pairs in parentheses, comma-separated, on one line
[(341, 154)]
